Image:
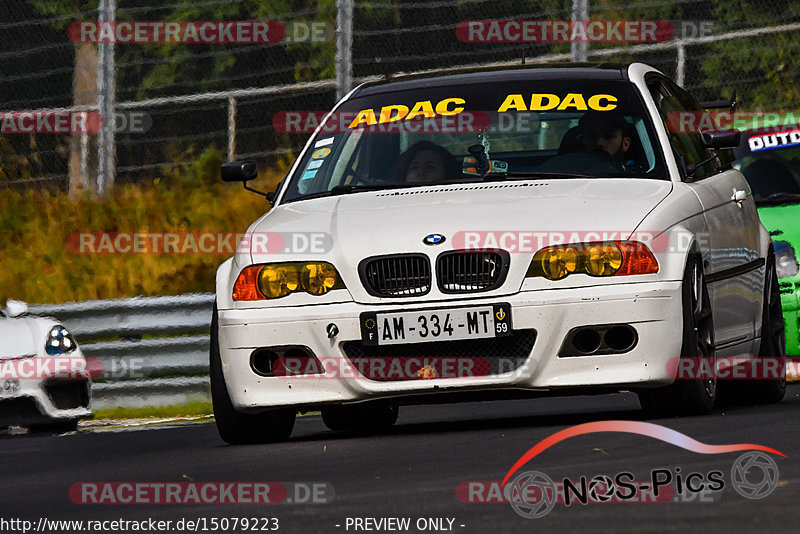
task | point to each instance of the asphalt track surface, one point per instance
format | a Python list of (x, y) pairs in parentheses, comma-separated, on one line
[(413, 470)]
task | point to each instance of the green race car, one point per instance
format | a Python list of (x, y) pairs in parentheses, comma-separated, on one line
[(771, 163)]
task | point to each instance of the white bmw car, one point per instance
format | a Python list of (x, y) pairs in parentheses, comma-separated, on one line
[(44, 379), (495, 233)]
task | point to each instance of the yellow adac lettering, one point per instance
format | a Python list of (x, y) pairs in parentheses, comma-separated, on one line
[(421, 108), (366, 116), (441, 107), (594, 102), (573, 100), (538, 105), (386, 113), (513, 102)]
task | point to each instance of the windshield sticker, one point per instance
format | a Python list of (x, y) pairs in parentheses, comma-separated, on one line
[(321, 153), (323, 142), (315, 164), (758, 143), (308, 175), (548, 101), (393, 113)]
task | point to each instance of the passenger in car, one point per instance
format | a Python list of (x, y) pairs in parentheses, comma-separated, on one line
[(603, 132), (426, 162)]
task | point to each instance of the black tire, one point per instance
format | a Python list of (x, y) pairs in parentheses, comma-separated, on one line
[(239, 428), (773, 341), (371, 416), (689, 396)]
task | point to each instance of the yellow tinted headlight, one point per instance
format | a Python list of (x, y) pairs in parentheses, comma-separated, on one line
[(558, 262), (318, 278), (277, 281), (602, 259), (610, 258)]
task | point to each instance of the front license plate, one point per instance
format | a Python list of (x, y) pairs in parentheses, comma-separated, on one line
[(443, 324), (9, 386)]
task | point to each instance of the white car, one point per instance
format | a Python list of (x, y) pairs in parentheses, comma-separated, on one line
[(495, 233), (44, 378)]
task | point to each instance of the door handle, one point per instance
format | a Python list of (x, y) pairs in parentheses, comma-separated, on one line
[(739, 196)]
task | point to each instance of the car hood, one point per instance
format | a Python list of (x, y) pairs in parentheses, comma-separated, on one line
[(384, 222), (356, 226), (16, 338)]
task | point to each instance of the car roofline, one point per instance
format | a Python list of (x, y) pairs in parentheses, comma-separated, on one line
[(439, 77)]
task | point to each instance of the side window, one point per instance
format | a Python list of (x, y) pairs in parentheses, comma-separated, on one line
[(669, 99)]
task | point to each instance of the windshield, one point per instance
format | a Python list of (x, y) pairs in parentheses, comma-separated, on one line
[(473, 132), (770, 161)]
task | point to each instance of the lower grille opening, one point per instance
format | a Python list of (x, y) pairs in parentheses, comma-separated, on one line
[(68, 394), (442, 359), (285, 361), (598, 340)]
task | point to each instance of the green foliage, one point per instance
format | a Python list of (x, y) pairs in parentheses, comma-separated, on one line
[(43, 264)]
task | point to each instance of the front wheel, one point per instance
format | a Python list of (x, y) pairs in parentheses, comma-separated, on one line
[(690, 396), (773, 343), (233, 426)]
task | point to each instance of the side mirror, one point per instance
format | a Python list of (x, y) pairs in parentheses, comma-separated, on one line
[(730, 104), (239, 171), (721, 139), (16, 308)]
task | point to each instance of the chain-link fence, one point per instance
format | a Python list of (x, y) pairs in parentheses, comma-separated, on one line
[(183, 103)]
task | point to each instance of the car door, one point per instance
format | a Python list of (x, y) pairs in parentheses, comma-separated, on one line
[(731, 259)]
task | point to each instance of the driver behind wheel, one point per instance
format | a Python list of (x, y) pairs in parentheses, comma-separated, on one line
[(605, 133), (426, 162)]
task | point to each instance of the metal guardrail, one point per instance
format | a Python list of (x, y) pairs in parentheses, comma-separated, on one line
[(138, 370), (153, 350)]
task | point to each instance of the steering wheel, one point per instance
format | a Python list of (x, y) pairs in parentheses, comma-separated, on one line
[(581, 162)]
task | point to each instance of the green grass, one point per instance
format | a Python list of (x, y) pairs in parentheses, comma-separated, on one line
[(193, 409)]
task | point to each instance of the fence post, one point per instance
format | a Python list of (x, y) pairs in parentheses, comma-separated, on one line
[(580, 12), (680, 68), (84, 154), (231, 128), (106, 86), (344, 47)]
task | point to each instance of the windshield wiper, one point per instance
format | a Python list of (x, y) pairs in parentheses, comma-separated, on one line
[(549, 174), (347, 189), (779, 198)]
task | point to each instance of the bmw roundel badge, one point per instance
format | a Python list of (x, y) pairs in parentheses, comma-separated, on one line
[(434, 239)]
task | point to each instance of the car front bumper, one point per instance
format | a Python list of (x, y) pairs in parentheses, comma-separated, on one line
[(653, 309), (28, 401), (790, 302)]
